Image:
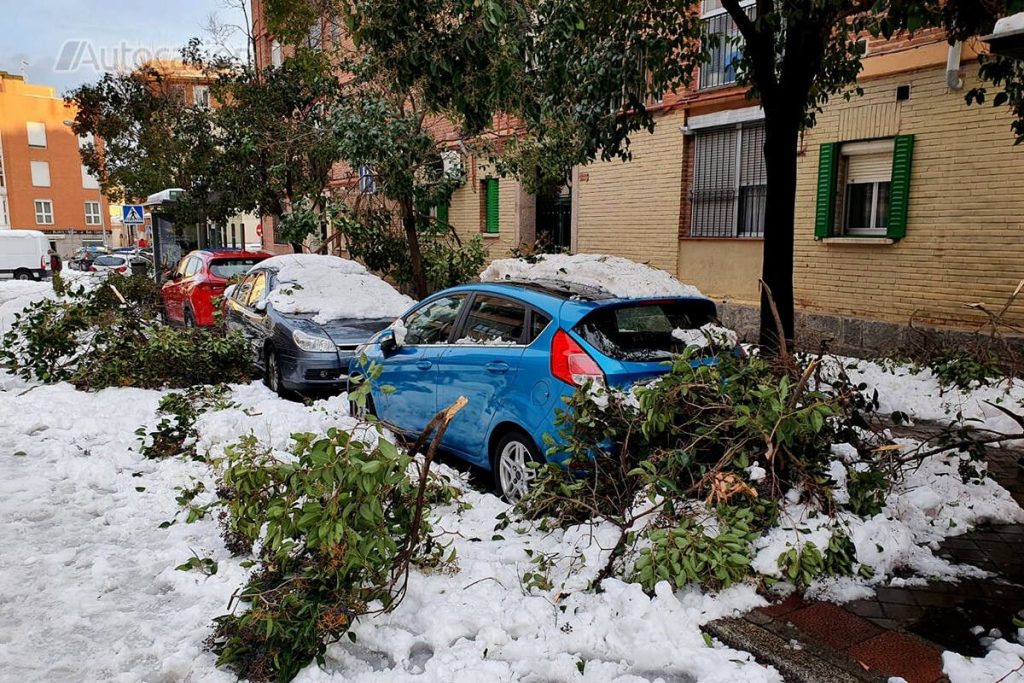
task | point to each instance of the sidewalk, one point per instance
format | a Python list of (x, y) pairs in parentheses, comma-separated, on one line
[(899, 631)]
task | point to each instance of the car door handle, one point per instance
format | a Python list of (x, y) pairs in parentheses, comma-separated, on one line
[(424, 364), (497, 367)]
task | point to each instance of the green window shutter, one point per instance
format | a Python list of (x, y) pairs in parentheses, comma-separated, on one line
[(899, 191), (491, 224), (442, 213), (828, 165)]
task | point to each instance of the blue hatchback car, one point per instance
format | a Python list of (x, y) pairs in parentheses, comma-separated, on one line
[(515, 349)]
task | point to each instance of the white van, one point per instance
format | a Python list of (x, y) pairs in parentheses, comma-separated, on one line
[(24, 255)]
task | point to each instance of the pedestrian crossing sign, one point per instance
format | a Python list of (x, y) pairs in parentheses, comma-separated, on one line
[(132, 214)]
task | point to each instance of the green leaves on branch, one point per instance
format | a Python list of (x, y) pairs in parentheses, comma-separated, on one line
[(334, 521)]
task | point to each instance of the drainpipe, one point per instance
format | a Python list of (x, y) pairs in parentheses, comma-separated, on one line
[(953, 78)]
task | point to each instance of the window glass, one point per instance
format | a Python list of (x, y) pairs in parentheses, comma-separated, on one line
[(259, 289), (241, 293), (109, 261), (192, 266), (493, 320), (433, 323), (228, 268), (643, 332), (537, 324), (729, 182)]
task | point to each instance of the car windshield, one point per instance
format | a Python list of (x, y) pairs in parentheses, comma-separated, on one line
[(643, 332), (230, 267)]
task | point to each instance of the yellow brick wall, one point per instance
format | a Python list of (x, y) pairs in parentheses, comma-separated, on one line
[(632, 209), (465, 216), (965, 231)]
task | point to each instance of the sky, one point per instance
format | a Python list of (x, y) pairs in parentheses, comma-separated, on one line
[(65, 43)]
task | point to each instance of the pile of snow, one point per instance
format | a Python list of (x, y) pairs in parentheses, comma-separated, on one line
[(613, 274), (917, 392), (1004, 662), (86, 565), (709, 334), (16, 295), (331, 288), (1013, 23)]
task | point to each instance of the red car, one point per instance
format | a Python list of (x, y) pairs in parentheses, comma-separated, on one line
[(200, 277)]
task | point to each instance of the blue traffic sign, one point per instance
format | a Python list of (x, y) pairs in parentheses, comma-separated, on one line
[(132, 214)]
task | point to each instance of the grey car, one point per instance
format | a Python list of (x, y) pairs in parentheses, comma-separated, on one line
[(296, 352)]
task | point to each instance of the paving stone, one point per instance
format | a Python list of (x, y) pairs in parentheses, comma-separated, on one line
[(895, 654), (902, 613), (900, 596), (793, 602), (832, 625), (869, 609)]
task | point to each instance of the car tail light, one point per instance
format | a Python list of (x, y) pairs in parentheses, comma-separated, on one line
[(42, 263), (92, 269), (571, 364), (123, 269)]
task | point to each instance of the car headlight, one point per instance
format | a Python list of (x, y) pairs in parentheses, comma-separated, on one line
[(312, 342)]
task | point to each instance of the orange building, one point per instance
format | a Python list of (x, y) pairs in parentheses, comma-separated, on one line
[(43, 184)]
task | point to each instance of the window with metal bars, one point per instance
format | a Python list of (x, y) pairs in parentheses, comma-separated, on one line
[(729, 182), (724, 45)]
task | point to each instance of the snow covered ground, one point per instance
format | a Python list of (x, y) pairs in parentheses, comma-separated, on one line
[(88, 589)]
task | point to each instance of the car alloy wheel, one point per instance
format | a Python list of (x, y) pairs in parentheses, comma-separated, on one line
[(273, 374), (515, 476)]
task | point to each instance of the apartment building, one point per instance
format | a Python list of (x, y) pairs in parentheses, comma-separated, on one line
[(43, 184), (910, 203)]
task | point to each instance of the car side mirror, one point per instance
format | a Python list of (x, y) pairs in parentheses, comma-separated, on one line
[(260, 306), (388, 343), (175, 276)]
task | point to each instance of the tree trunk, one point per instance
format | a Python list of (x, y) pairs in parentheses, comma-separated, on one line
[(419, 276), (296, 247), (782, 134)]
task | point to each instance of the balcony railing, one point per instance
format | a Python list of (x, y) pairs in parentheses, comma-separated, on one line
[(720, 69)]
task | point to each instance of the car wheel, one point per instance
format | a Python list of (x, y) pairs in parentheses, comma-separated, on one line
[(22, 275), (513, 475), (272, 373), (190, 318)]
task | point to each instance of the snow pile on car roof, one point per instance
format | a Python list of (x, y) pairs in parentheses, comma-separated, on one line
[(615, 275), (331, 288)]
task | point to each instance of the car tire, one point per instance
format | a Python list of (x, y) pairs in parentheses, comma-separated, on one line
[(272, 373), (23, 275), (513, 454)]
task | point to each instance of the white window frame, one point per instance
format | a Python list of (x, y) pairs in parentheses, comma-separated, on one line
[(36, 134), (40, 171), (852, 149), (93, 217), (44, 211), (89, 181), (201, 96), (5, 218)]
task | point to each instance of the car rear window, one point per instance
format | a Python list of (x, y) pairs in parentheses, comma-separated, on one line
[(230, 267), (109, 261), (642, 332)]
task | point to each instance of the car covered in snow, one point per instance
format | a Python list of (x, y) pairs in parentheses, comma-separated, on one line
[(520, 341), (304, 315)]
